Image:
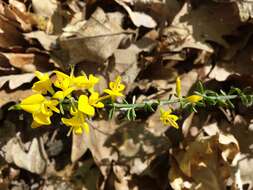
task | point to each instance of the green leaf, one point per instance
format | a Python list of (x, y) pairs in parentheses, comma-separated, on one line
[(111, 112)]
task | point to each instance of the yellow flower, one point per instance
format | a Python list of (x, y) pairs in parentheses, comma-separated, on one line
[(83, 82), (64, 82), (194, 98), (44, 84), (77, 122), (41, 109), (60, 95), (178, 87), (115, 88), (169, 119), (86, 105), (67, 84)]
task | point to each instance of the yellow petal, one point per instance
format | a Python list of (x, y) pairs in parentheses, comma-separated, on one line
[(84, 106), (112, 85), (78, 130), (32, 103), (86, 128), (194, 98), (74, 121), (99, 105), (41, 86), (52, 105), (68, 91), (61, 75), (173, 123), (178, 87), (174, 117), (59, 95), (35, 124), (41, 118), (39, 75)]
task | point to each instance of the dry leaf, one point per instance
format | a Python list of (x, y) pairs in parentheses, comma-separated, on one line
[(96, 41), (138, 18), (16, 81), (79, 146), (207, 162), (14, 96), (245, 10), (47, 41), (31, 160), (10, 37), (207, 22), (27, 62), (45, 9)]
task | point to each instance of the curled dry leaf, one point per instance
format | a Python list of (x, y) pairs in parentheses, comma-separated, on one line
[(207, 22), (16, 81), (206, 163), (245, 10), (138, 18), (27, 62), (46, 9), (32, 160), (10, 37), (46, 40), (126, 60), (79, 146), (13, 96), (95, 41)]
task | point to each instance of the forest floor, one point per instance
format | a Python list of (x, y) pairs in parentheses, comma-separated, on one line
[(148, 43)]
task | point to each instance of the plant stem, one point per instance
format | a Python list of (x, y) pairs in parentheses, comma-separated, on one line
[(166, 102)]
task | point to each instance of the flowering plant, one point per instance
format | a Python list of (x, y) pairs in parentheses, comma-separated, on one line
[(58, 97)]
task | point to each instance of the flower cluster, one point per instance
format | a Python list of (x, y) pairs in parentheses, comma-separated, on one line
[(76, 100), (169, 119), (51, 96)]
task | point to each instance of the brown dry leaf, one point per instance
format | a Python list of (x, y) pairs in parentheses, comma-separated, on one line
[(19, 5), (14, 96), (126, 60), (218, 73), (24, 19), (16, 81), (46, 9), (138, 18), (243, 133), (206, 163), (47, 41), (207, 22), (18, 18), (121, 147), (79, 146), (245, 10), (49, 16), (27, 62), (96, 41), (32, 160), (10, 37)]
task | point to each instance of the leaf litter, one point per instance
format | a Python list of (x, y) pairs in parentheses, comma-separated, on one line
[(148, 43)]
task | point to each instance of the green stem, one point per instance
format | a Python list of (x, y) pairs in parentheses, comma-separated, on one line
[(166, 102)]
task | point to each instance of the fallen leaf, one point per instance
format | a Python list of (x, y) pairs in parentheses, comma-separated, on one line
[(138, 18), (79, 146), (27, 62), (46, 9), (14, 96), (31, 161), (46, 40), (96, 41), (16, 81), (245, 10), (207, 22)]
